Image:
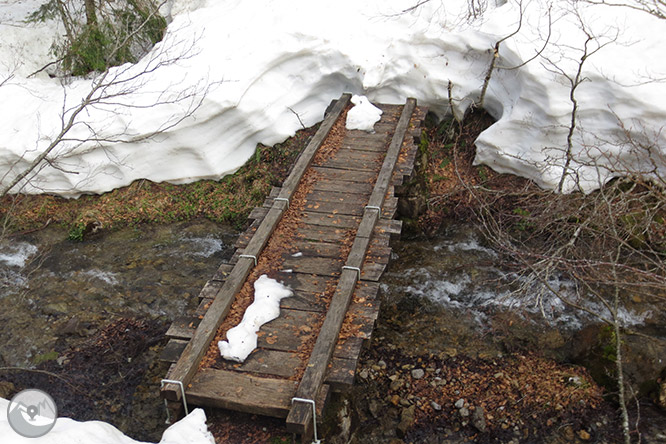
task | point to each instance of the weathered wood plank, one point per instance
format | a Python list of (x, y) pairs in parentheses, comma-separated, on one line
[(242, 392), (322, 352), (270, 362), (330, 220), (305, 159), (349, 348), (210, 289), (345, 175), (183, 327), (288, 331), (332, 196), (314, 373), (258, 212), (343, 187), (188, 363), (203, 307), (350, 209), (357, 165), (317, 249), (172, 350), (318, 233), (372, 271), (305, 282), (354, 155), (305, 301), (384, 177), (340, 375), (322, 266)]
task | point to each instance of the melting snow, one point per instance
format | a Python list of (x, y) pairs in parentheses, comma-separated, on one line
[(190, 430), (242, 339), (363, 115), (260, 89)]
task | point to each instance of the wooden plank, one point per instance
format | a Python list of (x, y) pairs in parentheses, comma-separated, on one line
[(305, 282), (305, 301), (183, 327), (187, 365), (210, 289), (350, 209), (322, 266), (354, 155), (332, 196), (357, 165), (258, 212), (304, 160), (289, 331), (366, 291), (313, 376), (372, 147), (349, 348), (317, 249), (203, 307), (242, 392), (330, 220), (345, 175), (318, 233), (270, 362), (189, 360), (364, 316), (340, 375), (172, 350), (384, 177), (343, 187)]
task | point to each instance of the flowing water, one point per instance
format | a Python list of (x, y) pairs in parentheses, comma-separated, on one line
[(449, 294), (57, 295)]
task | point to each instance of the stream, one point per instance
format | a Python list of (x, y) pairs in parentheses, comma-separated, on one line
[(445, 295)]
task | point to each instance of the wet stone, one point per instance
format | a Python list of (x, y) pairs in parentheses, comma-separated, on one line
[(418, 373)]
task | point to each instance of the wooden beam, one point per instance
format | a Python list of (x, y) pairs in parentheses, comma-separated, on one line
[(188, 364), (242, 392), (313, 377)]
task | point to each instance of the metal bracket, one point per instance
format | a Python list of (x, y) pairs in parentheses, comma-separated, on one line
[(347, 267), (182, 391), (314, 416), (251, 256), (284, 199), (373, 207)]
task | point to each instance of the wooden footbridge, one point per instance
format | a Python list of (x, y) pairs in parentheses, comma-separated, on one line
[(325, 233)]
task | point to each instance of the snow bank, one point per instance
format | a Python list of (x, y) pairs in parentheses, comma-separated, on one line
[(242, 339), (190, 430), (363, 115), (255, 70)]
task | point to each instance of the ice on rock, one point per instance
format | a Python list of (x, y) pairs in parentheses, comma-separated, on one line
[(363, 115), (242, 339)]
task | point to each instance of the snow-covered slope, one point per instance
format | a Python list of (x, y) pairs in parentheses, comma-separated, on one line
[(250, 67), (190, 430)]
